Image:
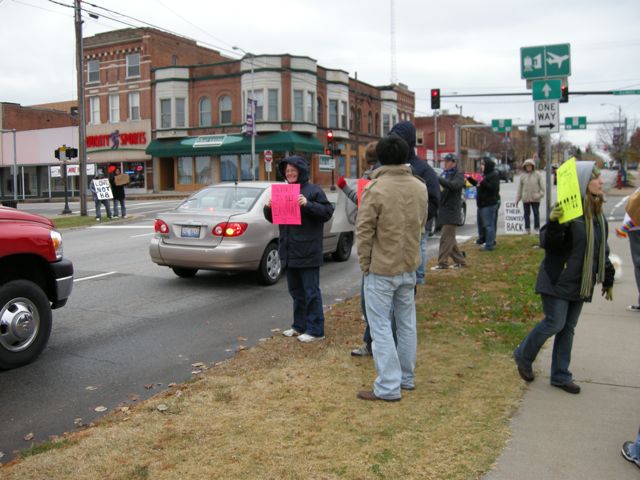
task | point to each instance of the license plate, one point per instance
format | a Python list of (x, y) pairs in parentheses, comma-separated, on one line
[(190, 232)]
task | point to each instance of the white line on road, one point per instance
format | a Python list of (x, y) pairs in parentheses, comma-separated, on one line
[(93, 276), (122, 226), (143, 235)]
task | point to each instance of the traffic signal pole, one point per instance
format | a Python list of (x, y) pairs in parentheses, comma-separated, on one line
[(82, 133)]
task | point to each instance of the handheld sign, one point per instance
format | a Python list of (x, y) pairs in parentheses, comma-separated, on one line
[(513, 219), (344, 215), (284, 204), (103, 189), (569, 197)]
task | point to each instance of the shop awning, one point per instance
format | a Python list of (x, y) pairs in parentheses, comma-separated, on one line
[(234, 144)]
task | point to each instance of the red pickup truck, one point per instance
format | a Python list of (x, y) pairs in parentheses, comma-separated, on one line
[(34, 279)]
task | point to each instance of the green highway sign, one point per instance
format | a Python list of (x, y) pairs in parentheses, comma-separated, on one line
[(547, 61), (501, 125), (575, 123), (547, 89), (626, 92)]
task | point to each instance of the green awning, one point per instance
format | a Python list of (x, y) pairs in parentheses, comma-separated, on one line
[(234, 144)]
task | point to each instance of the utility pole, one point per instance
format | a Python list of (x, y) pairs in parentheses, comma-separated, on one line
[(435, 138), (82, 133)]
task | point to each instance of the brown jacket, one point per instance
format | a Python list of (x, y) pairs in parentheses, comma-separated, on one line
[(391, 219), (531, 185)]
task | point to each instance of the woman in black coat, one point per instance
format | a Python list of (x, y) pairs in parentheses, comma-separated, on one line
[(300, 249), (576, 258), (118, 194)]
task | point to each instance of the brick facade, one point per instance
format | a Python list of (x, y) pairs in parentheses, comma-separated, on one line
[(13, 115)]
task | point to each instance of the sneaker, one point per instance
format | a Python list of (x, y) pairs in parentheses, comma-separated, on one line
[(124, 216), (306, 338), (458, 265), (291, 332), (479, 242), (440, 267), (115, 216), (97, 219), (634, 308), (626, 453), (361, 351)]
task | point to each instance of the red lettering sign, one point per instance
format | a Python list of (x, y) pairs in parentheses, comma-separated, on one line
[(132, 138)]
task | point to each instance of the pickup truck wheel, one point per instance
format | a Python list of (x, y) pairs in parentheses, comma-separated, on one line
[(270, 266), (343, 249), (25, 323), (184, 272)]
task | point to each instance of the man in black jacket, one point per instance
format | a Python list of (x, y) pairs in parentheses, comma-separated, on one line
[(423, 170), (488, 201), (300, 249)]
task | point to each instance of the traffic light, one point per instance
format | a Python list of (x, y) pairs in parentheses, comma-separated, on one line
[(564, 98), (72, 153), (435, 98), (329, 149)]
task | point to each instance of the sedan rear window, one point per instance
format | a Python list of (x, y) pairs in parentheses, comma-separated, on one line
[(237, 199)]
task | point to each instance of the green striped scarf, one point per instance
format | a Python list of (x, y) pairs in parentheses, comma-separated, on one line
[(586, 289)]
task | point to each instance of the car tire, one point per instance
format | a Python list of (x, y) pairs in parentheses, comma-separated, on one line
[(270, 269), (185, 272), (343, 249), (25, 323)]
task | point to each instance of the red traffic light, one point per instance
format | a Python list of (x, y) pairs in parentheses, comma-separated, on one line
[(435, 98), (327, 151), (330, 135), (564, 89)]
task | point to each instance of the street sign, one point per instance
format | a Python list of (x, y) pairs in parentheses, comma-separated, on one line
[(547, 117), (545, 61), (501, 125), (626, 92), (268, 156), (575, 123), (547, 89), (326, 163)]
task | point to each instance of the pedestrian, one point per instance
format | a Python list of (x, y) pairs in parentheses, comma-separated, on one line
[(300, 250), (576, 258), (530, 191), (423, 170), (92, 187), (371, 160), (488, 202), (631, 451), (449, 214), (631, 228), (391, 219), (118, 194)]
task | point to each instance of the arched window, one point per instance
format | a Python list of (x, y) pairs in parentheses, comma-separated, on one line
[(377, 124), (205, 112), (224, 106), (369, 122), (359, 120), (352, 118), (319, 112)]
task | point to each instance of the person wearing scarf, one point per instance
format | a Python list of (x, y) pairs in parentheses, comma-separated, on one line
[(576, 258)]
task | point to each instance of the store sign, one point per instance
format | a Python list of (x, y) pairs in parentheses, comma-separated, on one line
[(116, 139), (209, 141)]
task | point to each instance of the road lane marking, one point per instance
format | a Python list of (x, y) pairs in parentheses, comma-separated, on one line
[(93, 276), (143, 235), (122, 226)]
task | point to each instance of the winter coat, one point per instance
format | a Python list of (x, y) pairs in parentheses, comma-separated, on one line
[(531, 186), (391, 219), (449, 212), (421, 168), (489, 188), (117, 190), (300, 246)]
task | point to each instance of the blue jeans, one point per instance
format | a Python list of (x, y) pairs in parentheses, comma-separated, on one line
[(420, 272), (122, 207), (304, 288), (635, 448), (106, 207), (487, 225), (560, 319), (528, 207), (366, 337), (387, 296)]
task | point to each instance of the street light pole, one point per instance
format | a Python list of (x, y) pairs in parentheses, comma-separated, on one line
[(251, 57)]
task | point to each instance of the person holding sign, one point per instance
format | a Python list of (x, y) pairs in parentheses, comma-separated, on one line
[(300, 247), (391, 220), (576, 258), (530, 191), (101, 191), (488, 201)]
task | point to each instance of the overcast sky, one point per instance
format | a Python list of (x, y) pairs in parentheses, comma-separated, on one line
[(459, 46)]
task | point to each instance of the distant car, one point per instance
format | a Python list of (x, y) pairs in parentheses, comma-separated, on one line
[(433, 225), (505, 172), (222, 227)]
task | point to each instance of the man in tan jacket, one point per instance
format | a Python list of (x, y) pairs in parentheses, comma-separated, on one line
[(391, 218)]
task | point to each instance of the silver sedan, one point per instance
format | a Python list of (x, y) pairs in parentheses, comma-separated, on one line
[(222, 227)]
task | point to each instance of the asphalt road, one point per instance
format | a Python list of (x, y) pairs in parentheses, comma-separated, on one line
[(131, 327)]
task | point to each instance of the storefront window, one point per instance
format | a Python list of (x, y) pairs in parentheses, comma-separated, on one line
[(203, 170), (342, 166), (353, 167), (135, 170), (228, 168), (185, 170), (245, 166)]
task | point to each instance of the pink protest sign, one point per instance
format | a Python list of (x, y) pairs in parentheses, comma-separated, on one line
[(362, 182), (284, 204)]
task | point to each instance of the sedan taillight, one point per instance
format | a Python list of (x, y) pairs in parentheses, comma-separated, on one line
[(229, 229), (160, 226)]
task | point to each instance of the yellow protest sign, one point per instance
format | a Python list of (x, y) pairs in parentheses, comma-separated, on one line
[(568, 192)]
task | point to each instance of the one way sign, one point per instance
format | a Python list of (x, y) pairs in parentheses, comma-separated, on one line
[(547, 115)]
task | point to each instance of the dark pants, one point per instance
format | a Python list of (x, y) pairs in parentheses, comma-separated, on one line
[(304, 288), (528, 206)]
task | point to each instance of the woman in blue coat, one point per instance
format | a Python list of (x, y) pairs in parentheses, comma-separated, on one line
[(576, 258), (300, 249)]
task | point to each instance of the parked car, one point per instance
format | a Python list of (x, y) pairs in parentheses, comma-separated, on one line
[(34, 279), (222, 227), (505, 172), (433, 225)]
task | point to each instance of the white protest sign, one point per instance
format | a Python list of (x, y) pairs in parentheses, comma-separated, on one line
[(513, 219), (344, 215), (103, 189)]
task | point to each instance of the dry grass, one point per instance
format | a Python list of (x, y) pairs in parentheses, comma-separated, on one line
[(283, 410)]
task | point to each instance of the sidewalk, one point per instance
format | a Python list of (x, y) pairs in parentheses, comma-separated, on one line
[(556, 435)]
